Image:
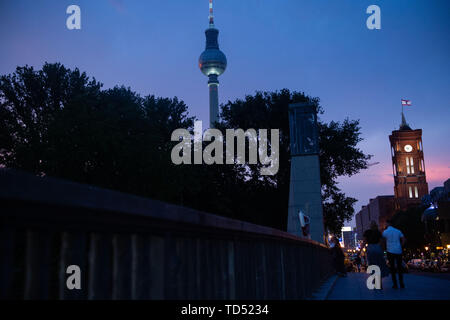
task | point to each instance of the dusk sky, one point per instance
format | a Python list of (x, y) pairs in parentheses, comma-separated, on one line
[(321, 47)]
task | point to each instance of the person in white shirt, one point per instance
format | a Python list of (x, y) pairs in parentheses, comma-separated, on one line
[(394, 241)]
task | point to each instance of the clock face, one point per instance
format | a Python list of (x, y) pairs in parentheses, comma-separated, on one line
[(408, 148)]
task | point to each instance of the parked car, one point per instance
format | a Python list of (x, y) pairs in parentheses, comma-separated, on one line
[(415, 264), (436, 266), (430, 266), (445, 267), (405, 267), (426, 265)]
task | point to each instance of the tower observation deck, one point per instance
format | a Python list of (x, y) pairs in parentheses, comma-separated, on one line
[(212, 63)]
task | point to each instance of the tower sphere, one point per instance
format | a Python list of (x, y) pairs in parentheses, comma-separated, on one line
[(212, 62)]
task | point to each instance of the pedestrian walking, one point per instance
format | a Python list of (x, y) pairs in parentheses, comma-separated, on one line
[(375, 254), (358, 262), (338, 257), (394, 241)]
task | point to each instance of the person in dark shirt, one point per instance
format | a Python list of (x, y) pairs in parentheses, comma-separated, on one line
[(375, 254), (372, 235), (358, 262), (338, 257)]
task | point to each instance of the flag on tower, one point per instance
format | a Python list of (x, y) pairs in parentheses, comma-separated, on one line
[(406, 102)]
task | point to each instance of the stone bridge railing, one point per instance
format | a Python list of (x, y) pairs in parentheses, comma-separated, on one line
[(129, 247)]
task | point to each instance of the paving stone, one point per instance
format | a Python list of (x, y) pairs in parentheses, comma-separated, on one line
[(353, 287)]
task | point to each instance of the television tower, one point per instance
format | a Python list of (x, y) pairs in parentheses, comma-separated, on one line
[(212, 63)]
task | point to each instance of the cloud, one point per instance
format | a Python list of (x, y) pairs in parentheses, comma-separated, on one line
[(437, 172)]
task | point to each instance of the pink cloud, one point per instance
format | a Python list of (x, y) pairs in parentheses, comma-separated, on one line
[(436, 171)]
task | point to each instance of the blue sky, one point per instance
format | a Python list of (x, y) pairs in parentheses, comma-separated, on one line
[(321, 47)]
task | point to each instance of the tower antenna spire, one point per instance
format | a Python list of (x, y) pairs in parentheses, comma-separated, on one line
[(212, 63), (211, 16)]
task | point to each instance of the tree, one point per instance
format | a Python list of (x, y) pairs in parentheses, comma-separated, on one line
[(410, 223), (29, 103), (59, 122), (339, 155)]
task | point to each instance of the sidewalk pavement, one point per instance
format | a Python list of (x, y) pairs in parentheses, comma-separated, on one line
[(353, 287), (325, 289)]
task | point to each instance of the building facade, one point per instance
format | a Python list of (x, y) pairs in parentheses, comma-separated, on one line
[(349, 238), (379, 210), (437, 217), (408, 166)]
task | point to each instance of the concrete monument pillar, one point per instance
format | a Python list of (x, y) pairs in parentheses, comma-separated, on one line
[(305, 187)]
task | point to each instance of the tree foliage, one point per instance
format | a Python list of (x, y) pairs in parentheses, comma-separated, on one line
[(339, 155), (410, 223), (59, 122)]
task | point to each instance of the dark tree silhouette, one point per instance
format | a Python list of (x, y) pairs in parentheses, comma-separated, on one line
[(410, 223), (339, 155), (59, 122)]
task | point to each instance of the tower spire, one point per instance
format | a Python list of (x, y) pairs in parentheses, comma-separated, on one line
[(211, 16), (403, 120), (404, 125)]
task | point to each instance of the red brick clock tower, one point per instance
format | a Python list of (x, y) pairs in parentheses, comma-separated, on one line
[(408, 166)]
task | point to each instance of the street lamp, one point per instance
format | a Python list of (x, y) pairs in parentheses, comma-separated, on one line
[(426, 248)]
